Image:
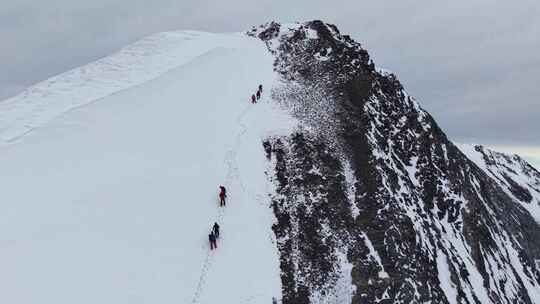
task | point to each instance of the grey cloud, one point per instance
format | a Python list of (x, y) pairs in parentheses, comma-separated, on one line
[(474, 64)]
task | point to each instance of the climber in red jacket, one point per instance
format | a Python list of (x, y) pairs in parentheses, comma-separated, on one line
[(222, 196)]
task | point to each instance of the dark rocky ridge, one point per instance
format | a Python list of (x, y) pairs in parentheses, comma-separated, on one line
[(373, 182)]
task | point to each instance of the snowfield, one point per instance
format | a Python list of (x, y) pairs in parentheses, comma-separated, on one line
[(110, 176)]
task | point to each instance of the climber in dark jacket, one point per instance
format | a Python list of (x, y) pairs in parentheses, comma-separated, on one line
[(260, 88), (212, 240), (258, 94), (253, 99), (215, 230)]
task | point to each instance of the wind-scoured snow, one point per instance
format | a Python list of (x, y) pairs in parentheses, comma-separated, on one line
[(111, 196)]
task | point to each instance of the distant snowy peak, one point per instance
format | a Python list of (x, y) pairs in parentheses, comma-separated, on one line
[(517, 177)]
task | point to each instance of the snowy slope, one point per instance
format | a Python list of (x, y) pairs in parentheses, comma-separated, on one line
[(110, 175)]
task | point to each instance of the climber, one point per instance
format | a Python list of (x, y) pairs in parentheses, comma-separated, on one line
[(258, 94), (253, 99), (215, 230), (260, 88), (212, 240), (222, 196)]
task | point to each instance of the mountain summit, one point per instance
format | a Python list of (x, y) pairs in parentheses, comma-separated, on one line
[(340, 187)]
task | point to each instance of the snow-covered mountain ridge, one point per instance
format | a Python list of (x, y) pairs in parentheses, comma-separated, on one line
[(342, 189), (133, 65)]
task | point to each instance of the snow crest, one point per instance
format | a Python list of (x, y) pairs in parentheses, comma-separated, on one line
[(133, 65)]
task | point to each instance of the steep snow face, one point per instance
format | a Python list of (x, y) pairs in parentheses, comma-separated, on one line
[(516, 177), (110, 176), (372, 177)]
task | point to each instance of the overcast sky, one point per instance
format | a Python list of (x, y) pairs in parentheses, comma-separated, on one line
[(474, 64)]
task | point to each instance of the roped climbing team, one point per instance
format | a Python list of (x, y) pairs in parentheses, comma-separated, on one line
[(257, 95), (214, 233)]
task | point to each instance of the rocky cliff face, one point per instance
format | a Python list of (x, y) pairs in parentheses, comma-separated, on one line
[(373, 203)]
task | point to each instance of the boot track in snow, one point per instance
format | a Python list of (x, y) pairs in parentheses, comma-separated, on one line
[(233, 173)]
